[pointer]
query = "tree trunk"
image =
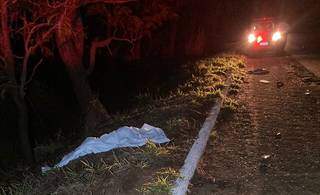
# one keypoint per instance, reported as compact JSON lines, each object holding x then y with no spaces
{"x":91,"y":107}
{"x":172,"y":39}
{"x":23,"y":124}
{"x":136,"y":52}
{"x":70,"y":41}
{"x":6,"y":49}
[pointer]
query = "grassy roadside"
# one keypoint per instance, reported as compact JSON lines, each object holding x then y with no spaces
{"x":153,"y":168}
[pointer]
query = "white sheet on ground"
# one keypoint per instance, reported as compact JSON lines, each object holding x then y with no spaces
{"x":121,"y":138}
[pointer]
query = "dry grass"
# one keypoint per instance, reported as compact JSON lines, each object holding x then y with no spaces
{"x":230,"y":105}
{"x":162,"y":182}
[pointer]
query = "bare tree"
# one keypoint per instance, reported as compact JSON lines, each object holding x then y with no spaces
{"x":35,"y":32}
{"x":124,"y":25}
{"x":39,"y":21}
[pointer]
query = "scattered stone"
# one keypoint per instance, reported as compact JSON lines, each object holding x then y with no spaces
{"x":278,"y":135}
{"x":280,"y":84}
{"x":307,"y":79}
{"x":263,"y":168}
{"x":266,"y":156}
{"x":264,"y":164}
{"x":264,"y":81}
{"x":313,"y":84}
{"x":308,"y":92}
{"x":259,"y":71}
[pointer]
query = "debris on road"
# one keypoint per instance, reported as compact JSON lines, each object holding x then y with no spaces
{"x":308,"y":92}
{"x":307,"y":79}
{"x":278,"y":135}
{"x":264,"y":164}
{"x":314,"y":84}
{"x":259,"y":71}
{"x":280,"y":84}
{"x":264,"y":81}
{"x":266,"y":156}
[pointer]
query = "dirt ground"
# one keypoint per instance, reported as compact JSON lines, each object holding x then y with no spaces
{"x":271,"y":145}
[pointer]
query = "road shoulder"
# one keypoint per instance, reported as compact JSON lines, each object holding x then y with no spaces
{"x":310,"y":62}
{"x":270,"y":145}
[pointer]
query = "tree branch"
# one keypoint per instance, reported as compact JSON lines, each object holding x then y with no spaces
{"x":34,"y":71}
{"x":29,"y":51}
{"x":6,"y":44}
{"x":24,"y":72}
{"x":3,"y":62}
{"x":55,"y":5}
{"x":100,"y":44}
{"x":30,"y":34}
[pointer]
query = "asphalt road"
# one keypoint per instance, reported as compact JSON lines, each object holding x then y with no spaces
{"x":310,"y":62}
{"x":271,"y":145}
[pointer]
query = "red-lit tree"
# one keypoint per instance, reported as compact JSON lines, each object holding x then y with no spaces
{"x":70,"y":43}
{"x":20,"y":21}
{"x":123,"y":25}
{"x":36,"y":22}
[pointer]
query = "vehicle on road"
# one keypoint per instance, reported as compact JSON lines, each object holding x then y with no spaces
{"x":266,"y":34}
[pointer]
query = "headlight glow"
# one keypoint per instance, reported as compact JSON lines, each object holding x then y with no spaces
{"x":276,"y":36}
{"x":251,"y":38}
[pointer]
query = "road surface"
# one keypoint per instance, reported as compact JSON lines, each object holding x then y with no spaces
{"x":310,"y":62}
{"x":271,"y":145}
